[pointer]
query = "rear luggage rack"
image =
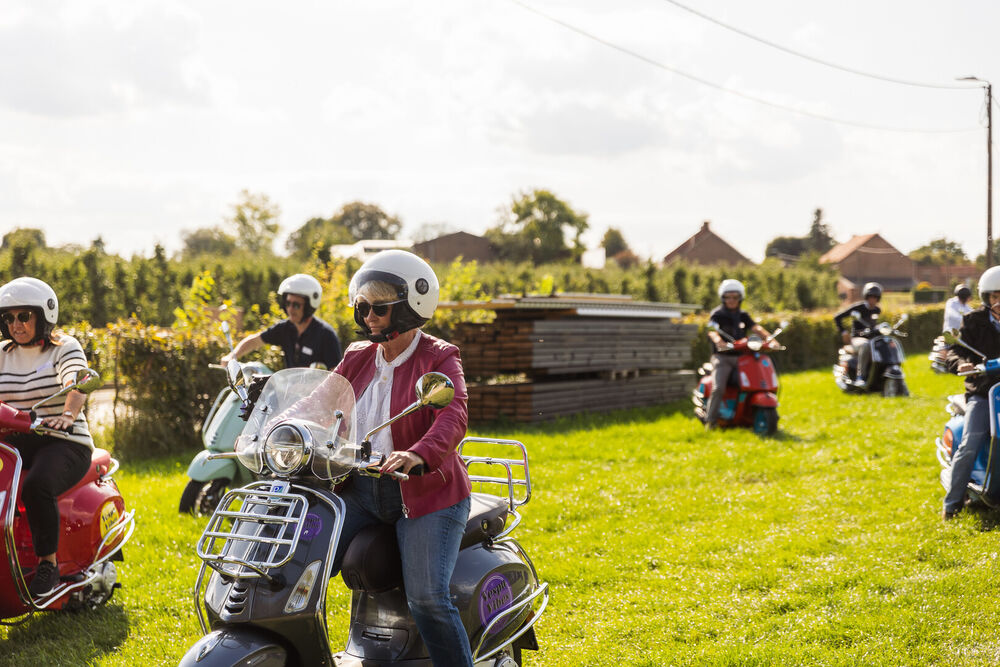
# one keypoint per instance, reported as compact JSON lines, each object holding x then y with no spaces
{"x":515,"y":489}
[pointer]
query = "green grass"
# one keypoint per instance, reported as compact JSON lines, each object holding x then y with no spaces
{"x":667,"y":545}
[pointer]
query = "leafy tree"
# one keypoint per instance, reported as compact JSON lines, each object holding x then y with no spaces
{"x":431,"y":230}
{"x":939,"y":252}
{"x":534,"y":226}
{"x":255,"y":222}
{"x":613,"y":242}
{"x":317,"y":234}
{"x":366,"y":221}
{"x":819,"y":239}
{"x":24,"y":236}
{"x":785,"y":245}
{"x":208,"y":241}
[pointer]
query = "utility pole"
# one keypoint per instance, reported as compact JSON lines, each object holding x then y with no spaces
{"x":989,"y":166}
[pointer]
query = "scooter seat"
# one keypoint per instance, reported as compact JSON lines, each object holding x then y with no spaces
{"x":372,"y":564}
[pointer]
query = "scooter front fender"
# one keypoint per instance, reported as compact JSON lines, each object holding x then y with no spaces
{"x":764,"y":399}
{"x":203,"y":469}
{"x":236,"y":646}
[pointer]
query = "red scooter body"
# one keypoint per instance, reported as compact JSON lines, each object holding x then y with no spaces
{"x":93,"y":527}
{"x":750,"y":401}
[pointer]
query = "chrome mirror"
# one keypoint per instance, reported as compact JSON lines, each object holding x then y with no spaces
{"x":435,"y":390}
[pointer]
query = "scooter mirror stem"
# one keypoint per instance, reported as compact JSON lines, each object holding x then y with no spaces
{"x":714,"y":326}
{"x":410,"y":408}
{"x":952,"y":339}
{"x":225,"y":332}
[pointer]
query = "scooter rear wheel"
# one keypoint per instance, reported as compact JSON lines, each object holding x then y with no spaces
{"x":201,"y":498}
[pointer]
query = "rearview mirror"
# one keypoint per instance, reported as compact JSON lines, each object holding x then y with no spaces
{"x":855,"y":314}
{"x":950,"y":336}
{"x":435,"y":390}
{"x":87,"y":380}
{"x":904,"y":317}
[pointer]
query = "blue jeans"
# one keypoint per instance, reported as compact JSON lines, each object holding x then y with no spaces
{"x":975,"y":436}
{"x":428,"y":547}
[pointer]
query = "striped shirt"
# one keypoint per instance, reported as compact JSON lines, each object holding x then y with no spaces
{"x":29,"y":374}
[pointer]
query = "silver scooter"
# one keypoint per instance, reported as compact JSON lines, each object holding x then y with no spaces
{"x":267,"y":552}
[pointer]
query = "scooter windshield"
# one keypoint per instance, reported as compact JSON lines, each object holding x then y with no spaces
{"x":306,"y":400}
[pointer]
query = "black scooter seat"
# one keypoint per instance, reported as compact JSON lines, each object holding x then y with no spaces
{"x":372,"y":562}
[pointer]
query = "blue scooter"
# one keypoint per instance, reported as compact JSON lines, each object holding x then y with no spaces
{"x":210,"y":477}
{"x":981,"y":482}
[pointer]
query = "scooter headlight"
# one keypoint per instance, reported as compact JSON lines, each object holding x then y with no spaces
{"x":754,"y":343}
{"x":884,"y":328}
{"x":286,"y":448}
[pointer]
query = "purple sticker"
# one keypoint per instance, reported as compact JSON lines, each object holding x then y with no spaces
{"x":311,"y":527}
{"x":495,"y":596}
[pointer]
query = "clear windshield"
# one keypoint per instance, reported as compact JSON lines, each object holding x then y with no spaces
{"x":311,"y":398}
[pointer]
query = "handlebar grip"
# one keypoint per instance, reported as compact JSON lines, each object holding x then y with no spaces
{"x":401,"y":476}
{"x":417,"y":470}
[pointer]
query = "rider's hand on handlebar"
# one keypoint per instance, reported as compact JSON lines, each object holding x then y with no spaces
{"x":404,"y":461}
{"x":965,"y":367}
{"x":60,"y":423}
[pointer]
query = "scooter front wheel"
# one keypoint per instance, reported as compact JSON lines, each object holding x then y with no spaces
{"x":201,"y":498}
{"x":765,"y":421}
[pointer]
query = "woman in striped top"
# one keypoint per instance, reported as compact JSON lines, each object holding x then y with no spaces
{"x":35,"y":362}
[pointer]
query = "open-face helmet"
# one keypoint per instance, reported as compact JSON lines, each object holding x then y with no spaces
{"x":731,"y":285}
{"x":989,"y":282}
{"x":414,"y":283}
{"x":305,"y":286}
{"x":962,"y":291}
{"x":871,"y":289}
{"x":35,"y":295}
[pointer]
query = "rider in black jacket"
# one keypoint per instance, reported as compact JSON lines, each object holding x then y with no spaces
{"x":980,"y":330}
{"x":869,"y":311}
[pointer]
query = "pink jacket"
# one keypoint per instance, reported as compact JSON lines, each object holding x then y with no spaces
{"x":433,"y":434}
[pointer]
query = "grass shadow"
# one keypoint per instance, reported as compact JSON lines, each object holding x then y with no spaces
{"x":66,"y":637}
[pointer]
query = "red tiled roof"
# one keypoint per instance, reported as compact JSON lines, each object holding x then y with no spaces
{"x":842,"y":251}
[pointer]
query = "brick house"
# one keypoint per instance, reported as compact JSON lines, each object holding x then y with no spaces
{"x":706,"y":247}
{"x":869,"y":257}
{"x":459,"y":244}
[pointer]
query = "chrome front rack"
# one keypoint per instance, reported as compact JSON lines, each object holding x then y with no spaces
{"x":262,"y":534}
{"x":510,"y":482}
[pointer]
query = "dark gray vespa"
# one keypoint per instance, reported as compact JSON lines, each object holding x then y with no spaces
{"x":268,"y":548}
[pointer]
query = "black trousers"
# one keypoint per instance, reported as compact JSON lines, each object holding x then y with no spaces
{"x":54,"y":466}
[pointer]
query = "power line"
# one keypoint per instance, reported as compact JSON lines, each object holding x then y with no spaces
{"x":814,"y":59}
{"x":711,"y":84}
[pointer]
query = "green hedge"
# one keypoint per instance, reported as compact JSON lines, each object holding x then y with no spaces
{"x":812,"y":338}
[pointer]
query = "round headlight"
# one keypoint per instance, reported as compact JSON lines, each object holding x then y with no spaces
{"x":755,"y":343}
{"x":285,"y":448}
{"x":884,"y":328}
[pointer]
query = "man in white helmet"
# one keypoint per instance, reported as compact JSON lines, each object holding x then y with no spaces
{"x":736,"y":324}
{"x":304,"y":338}
{"x":851,"y":329}
{"x":981,"y":330}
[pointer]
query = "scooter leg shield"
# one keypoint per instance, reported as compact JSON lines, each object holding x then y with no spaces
{"x":236,"y":646}
{"x":203,"y":469}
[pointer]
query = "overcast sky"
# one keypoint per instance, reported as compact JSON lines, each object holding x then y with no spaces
{"x":137,"y":120}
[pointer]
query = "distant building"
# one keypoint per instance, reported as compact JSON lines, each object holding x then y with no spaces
{"x":866,"y":258}
{"x":706,"y":247}
{"x":449,"y":247}
{"x":363,"y":250}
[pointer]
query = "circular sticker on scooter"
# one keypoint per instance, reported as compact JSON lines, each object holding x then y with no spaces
{"x":495,"y":596}
{"x":109,"y":517}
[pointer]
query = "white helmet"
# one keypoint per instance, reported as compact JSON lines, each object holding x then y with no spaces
{"x":732,"y":285}
{"x":304,"y":285}
{"x":30,"y":293}
{"x":989,"y":282}
{"x":415,"y":283}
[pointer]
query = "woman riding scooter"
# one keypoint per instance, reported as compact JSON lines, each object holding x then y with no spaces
{"x":35,"y":359}
{"x":735,"y":323}
{"x":394,"y":294}
{"x":869,"y":311}
{"x":980,"y":331}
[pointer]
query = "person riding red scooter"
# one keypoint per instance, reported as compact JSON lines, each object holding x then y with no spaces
{"x":748,"y":376}
{"x":61,"y":515}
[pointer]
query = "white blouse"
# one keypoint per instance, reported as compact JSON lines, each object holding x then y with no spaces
{"x":374,"y":405}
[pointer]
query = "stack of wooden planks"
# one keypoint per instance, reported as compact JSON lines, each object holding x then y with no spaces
{"x":572,"y":363}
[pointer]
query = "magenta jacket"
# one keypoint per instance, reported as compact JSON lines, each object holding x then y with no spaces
{"x":433,"y":434}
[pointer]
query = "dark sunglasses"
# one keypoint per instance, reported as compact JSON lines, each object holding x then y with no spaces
{"x":380,"y":309}
{"x":24,"y":316}
{"x":289,"y":305}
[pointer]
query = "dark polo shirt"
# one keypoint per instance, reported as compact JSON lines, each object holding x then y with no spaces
{"x":318,"y":343}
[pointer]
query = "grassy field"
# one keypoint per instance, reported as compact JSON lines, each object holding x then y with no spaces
{"x":667,"y":545}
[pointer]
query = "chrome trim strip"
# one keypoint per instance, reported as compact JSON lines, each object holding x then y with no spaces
{"x":8,"y":523}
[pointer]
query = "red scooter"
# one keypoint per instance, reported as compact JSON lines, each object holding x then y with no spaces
{"x":750,"y":397}
{"x":93,"y":524}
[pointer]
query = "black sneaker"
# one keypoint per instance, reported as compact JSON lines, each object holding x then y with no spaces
{"x":46,"y":578}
